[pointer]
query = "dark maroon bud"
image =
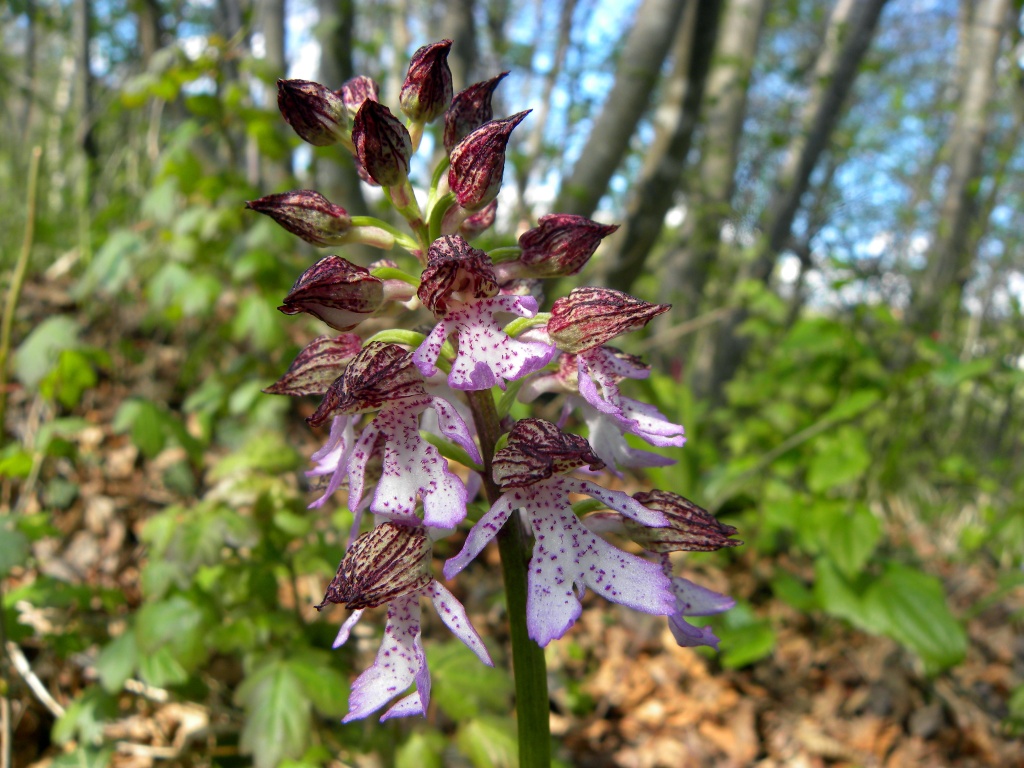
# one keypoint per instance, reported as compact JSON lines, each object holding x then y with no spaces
{"x":479,"y":222}
{"x":691,"y":528}
{"x":456,"y":271}
{"x":336,"y":291}
{"x":589,"y":317}
{"x":382,"y":144}
{"x":470,"y":109}
{"x":390,"y":561}
{"x":379,"y":373}
{"x":427,"y":90}
{"x":357,"y":90}
{"x":561,"y":244}
{"x":308,"y":214}
{"x":536,"y":450}
{"x":317,"y":366}
{"x":478,"y":162}
{"x":316,"y":113}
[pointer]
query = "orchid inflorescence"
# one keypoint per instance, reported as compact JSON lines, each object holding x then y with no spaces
{"x":402,"y":404}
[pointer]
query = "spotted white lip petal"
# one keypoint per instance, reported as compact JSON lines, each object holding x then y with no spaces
{"x":567,"y":558}
{"x":453,"y":614}
{"x":453,"y":427}
{"x":412,"y":467}
{"x":400,"y":660}
{"x":487,"y":355}
{"x":485,"y":529}
{"x":590,"y":370}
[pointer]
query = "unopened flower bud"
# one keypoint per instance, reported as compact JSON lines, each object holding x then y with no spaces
{"x":336,"y":291}
{"x":561,"y":244}
{"x":427,"y":90}
{"x":382,"y":144}
{"x":536,"y":450}
{"x":317,"y":366}
{"x":316,"y":113}
{"x":478,"y":162}
{"x":308,"y":214}
{"x":390,"y":561}
{"x":589,"y":317}
{"x":470,"y":109}
{"x":479,"y":222}
{"x":456,"y":271}
{"x":691,"y":528}
{"x":379,"y":373}
{"x":357,"y":90}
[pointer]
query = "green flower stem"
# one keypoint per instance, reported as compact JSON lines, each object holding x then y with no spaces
{"x":506,"y":253}
{"x":402,"y":239}
{"x":528,"y":666}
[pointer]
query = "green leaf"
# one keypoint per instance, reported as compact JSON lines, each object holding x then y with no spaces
{"x":84,"y":718}
{"x":277,"y":709}
{"x":160,"y":668}
{"x":324,"y":686}
{"x":745,"y":637}
{"x":918,"y":616}
{"x":111,"y":267}
{"x":14,"y":546}
{"x":845,"y":598}
{"x":853,"y":405}
{"x":85,"y":757}
{"x":851,"y":538}
{"x":15,"y":462}
{"x":462,"y":686}
{"x":117,"y":661}
{"x":489,"y":742}
{"x":840,"y":458}
{"x":39,"y":352}
{"x":422,"y":750}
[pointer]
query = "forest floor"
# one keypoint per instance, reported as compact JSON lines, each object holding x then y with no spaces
{"x":828,"y":695}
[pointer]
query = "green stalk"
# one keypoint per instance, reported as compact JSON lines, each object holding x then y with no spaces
{"x":528,"y":666}
{"x":17,"y":281}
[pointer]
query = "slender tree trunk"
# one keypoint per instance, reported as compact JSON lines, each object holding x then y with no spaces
{"x":275,"y":173}
{"x":458,"y":26}
{"x":850,"y":31}
{"x":662,"y":175}
{"x":725,"y":110}
{"x":643,"y":55}
{"x":950,"y":261}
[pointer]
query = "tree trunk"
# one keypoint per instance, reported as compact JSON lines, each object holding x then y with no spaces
{"x":457,"y":25}
{"x":646,"y":47}
{"x":950,"y":261}
{"x":275,"y":173}
{"x":662,"y":174}
{"x":848,"y":37}
{"x":726,"y":106}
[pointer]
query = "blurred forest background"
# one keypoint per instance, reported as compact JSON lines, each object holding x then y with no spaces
{"x":830,"y":195}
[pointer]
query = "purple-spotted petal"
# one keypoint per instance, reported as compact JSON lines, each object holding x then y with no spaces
{"x":399,"y":662}
{"x":453,"y":614}
{"x":426,"y":354}
{"x":605,"y":436}
{"x":487,"y":355}
{"x":616,"y":500}
{"x":453,"y":427}
{"x":485,"y":529}
{"x":332,"y":458}
{"x":695,"y":600}
{"x":567,"y":558}
{"x":347,"y":627}
{"x":412,"y":467}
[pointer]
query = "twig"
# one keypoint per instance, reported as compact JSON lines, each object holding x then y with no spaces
{"x":17,"y":281}
{"x":5,"y":732}
{"x":24,"y":669}
{"x":678,"y":331}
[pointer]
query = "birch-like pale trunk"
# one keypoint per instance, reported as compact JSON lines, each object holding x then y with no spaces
{"x":646,"y":47}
